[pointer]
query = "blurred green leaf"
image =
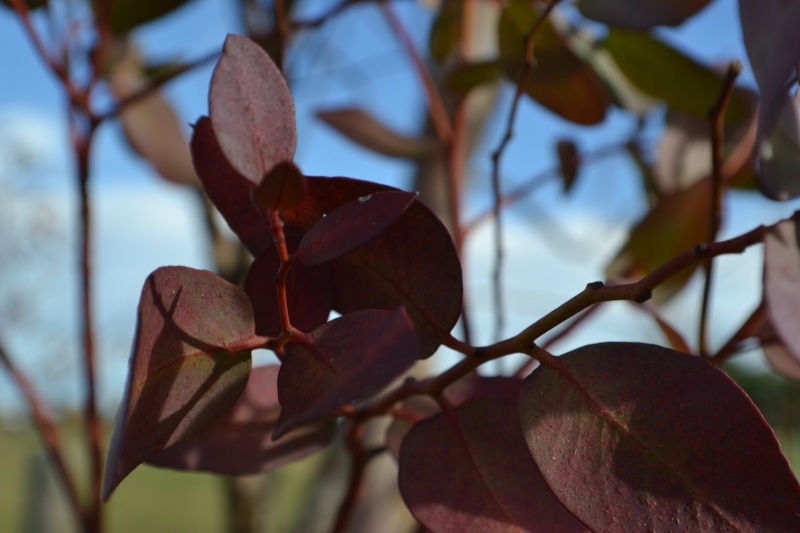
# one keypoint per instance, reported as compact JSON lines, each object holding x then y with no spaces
{"x":560,"y":81}
{"x":638,"y":15}
{"x":128,"y":14}
{"x":445,"y":30}
{"x":467,"y":77}
{"x":662,"y":71}
{"x":780,"y":155}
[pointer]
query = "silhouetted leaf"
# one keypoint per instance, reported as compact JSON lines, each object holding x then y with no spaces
{"x":240,"y":442}
{"x":230,"y":192}
{"x":308,"y":291}
{"x":675,"y":225}
{"x":471,"y":472}
{"x":32,"y":4}
{"x":398,"y":267}
{"x":561,"y":81}
{"x":347,"y":227}
{"x":251,"y":108}
{"x":661,"y":71}
{"x":347,"y":359}
{"x":282,"y":188}
{"x":128,"y":14}
{"x":769,"y":29}
{"x":635,"y":437}
{"x":466,"y":77}
{"x":779,"y":176}
{"x":569,"y":162}
{"x":637,"y":15}
{"x":445,"y":30}
{"x":364,"y":129}
{"x":782,"y":285}
{"x":190,"y":362}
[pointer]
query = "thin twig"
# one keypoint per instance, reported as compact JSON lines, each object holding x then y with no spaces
{"x":717,"y":120}
{"x":282,"y":28}
{"x":48,"y":432}
{"x":359,"y":458}
{"x":522,"y":84}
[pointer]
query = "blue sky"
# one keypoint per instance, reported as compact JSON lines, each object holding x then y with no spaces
{"x":142,"y":223}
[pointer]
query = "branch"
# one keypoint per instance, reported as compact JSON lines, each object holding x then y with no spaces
{"x":359,"y":457}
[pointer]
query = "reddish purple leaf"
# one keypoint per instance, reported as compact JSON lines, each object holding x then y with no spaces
{"x":780,"y":164}
{"x":282,"y":188}
{"x":638,"y":15}
{"x":636,"y":437}
{"x":230,"y":192}
{"x":398,"y":267}
{"x":348,"y":227}
{"x":190,"y":363}
{"x":782,"y":284}
{"x":364,"y":129}
{"x":251,"y":108}
{"x":349,"y":358}
{"x":240,"y":442}
{"x":769,"y":28}
{"x":308,"y":292}
{"x":473,"y":473}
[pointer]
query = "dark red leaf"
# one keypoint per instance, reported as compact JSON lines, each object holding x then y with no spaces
{"x":349,"y":358}
{"x":769,"y":29}
{"x":230,"y":192}
{"x":398,"y":267}
{"x":635,"y":437}
{"x":364,"y":129}
{"x":637,"y":15}
{"x":190,"y":363}
{"x":308,"y":291}
{"x":240,"y":442}
{"x":782,"y":284}
{"x":282,"y":188}
{"x":780,"y":158}
{"x":251,"y":108}
{"x":346,"y":228}
{"x":472,"y":473}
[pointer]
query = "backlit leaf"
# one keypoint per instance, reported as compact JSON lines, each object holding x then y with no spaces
{"x":282,"y":188}
{"x":347,"y":359}
{"x":635,"y":437}
{"x":190,"y":362}
{"x":782,"y":284}
{"x":251,"y":108}
{"x":240,"y":442}
{"x":769,"y":29}
{"x":779,"y":176}
{"x":637,"y":15}
{"x":364,"y":129}
{"x":347,"y":227}
{"x":561,"y":81}
{"x":662,"y":71}
{"x":675,"y":225}
{"x":472,"y":473}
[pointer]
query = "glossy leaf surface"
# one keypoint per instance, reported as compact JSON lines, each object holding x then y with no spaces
{"x":662,"y":71}
{"x":637,"y":15}
{"x":347,"y":227}
{"x":769,"y":29}
{"x":349,"y":358}
{"x":364,"y":129}
{"x":782,"y":284}
{"x":472,"y":473}
{"x":675,"y":225}
{"x":635,"y":437}
{"x":240,"y":442}
{"x":190,"y":363}
{"x":251,"y":109}
{"x":309,"y":292}
{"x":561,"y":81}
{"x":282,"y":188}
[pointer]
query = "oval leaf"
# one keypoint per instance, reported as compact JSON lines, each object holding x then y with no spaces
{"x":637,"y":15}
{"x":662,"y":71}
{"x":190,"y":362}
{"x":349,"y":358}
{"x":251,"y":108}
{"x":473,"y":473}
{"x":635,"y":437}
{"x":348,"y":227}
{"x":782,"y":284}
{"x":364,"y":129}
{"x":240,"y":442}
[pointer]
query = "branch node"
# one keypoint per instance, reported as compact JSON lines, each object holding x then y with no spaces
{"x":701,"y":248}
{"x":595,"y":285}
{"x":643,"y":297}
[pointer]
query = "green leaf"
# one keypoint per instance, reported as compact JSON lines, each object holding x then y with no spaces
{"x":638,"y":15}
{"x":128,"y":14}
{"x":471,"y":75}
{"x":662,"y":71}
{"x":445,"y":30}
